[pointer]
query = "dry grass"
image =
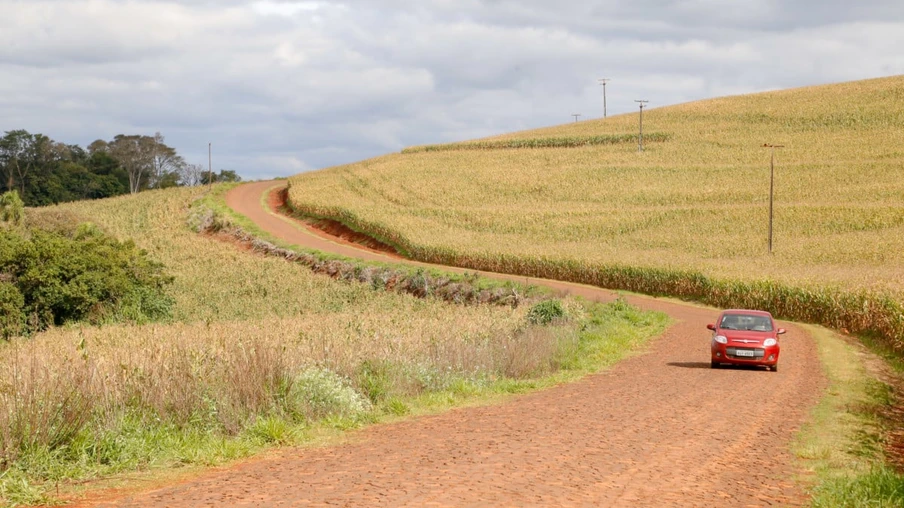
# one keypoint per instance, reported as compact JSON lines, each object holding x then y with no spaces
{"x":696,"y":203}
{"x":225,"y":374}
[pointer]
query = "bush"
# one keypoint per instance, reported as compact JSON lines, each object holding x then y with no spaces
{"x":318,"y":392}
{"x":546,"y":312}
{"x":82,"y":275}
{"x":11,"y":208}
{"x":12,"y":318}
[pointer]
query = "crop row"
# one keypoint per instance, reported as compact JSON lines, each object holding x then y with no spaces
{"x":553,"y":142}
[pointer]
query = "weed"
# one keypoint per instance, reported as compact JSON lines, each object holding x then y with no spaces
{"x":546,"y":312}
{"x":317,"y":393}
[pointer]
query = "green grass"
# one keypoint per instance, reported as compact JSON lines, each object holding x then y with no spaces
{"x":842,"y":443}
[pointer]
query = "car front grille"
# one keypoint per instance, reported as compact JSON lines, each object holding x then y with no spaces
{"x":732,"y":352}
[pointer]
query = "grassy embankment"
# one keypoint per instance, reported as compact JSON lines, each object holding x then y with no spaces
{"x":843,"y":445}
{"x":687,"y":217}
{"x":262,"y":352}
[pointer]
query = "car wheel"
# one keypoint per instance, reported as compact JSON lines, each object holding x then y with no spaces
{"x":774,"y":368}
{"x":714,"y":364}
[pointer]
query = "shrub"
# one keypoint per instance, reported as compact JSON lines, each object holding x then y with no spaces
{"x":546,"y":312}
{"x":318,"y":392}
{"x":81,"y":275}
{"x":11,"y":207}
{"x":12,"y":318}
{"x":374,"y":378}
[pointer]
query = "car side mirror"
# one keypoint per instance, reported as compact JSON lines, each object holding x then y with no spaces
{"x":711,"y":327}
{"x":781,"y":331}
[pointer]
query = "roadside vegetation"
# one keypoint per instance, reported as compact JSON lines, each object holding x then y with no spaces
{"x":55,"y":271}
{"x":261,"y":352}
{"x":687,"y":217}
{"x":853,"y":438}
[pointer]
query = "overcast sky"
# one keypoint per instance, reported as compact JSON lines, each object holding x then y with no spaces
{"x":281,"y":87}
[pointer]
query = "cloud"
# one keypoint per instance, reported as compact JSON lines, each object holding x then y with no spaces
{"x":285,"y":86}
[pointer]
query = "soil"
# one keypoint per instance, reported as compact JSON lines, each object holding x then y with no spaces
{"x":277,"y":200}
{"x":658,"y":429}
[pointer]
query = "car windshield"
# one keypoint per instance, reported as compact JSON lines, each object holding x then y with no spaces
{"x":746,"y":322}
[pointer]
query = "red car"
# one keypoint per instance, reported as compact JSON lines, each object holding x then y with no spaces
{"x":745,"y":337}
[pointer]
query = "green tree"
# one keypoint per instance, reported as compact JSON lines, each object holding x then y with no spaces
{"x":20,"y":152}
{"x":225,"y":175}
{"x":147,"y":160}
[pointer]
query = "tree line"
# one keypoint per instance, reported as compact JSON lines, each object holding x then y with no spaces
{"x":43,"y":171}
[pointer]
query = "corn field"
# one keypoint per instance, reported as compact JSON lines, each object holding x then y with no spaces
{"x":552,"y":142}
{"x":688,"y":216}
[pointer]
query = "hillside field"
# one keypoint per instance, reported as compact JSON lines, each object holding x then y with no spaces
{"x":695,"y":201}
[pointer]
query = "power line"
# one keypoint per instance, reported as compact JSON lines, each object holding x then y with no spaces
{"x":575,"y":115}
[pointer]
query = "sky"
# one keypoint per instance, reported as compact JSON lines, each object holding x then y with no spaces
{"x":280,"y":87}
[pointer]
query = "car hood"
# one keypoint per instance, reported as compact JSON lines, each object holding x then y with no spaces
{"x":746,"y":338}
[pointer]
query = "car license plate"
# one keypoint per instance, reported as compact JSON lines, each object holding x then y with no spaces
{"x":743,"y":352}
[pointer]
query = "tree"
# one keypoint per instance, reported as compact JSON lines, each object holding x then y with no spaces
{"x":44,"y":171}
{"x":103,"y":164}
{"x":98,"y":146}
{"x":225,"y":175}
{"x":135,"y":154}
{"x":20,"y":151}
{"x":167,"y":165}
{"x":148,"y":161}
{"x":228,"y":175}
{"x":192,"y":174}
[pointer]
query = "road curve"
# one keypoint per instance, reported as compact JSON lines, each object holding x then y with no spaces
{"x":659,"y":429}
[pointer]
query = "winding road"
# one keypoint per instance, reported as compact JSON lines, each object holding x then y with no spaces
{"x":658,"y":429}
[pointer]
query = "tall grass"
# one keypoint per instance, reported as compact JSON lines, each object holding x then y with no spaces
{"x":261,"y":381}
{"x":687,"y":218}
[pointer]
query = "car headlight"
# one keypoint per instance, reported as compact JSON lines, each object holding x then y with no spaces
{"x":721,"y":339}
{"x":769,"y":342}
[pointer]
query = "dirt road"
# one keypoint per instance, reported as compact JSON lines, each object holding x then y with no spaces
{"x":660,"y":429}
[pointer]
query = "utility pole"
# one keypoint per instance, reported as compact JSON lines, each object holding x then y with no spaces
{"x":156,"y":170}
{"x":209,"y":166}
{"x":603,"y":82}
{"x":771,"y":187}
{"x":575,"y":115}
{"x":640,"y":142}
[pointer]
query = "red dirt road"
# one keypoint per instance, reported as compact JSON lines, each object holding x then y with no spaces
{"x":659,"y":429}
